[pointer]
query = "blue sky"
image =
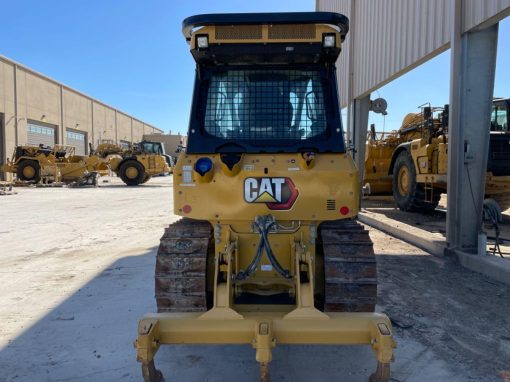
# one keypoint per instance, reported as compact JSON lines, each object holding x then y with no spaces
{"x":131,"y":54}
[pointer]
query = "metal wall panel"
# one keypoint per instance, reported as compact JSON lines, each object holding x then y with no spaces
{"x":480,"y":12}
{"x":392,"y":37}
{"x":343,"y":7}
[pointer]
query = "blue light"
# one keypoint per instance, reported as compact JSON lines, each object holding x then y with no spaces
{"x":203,"y":165}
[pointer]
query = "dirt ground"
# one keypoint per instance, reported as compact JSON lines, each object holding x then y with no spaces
{"x":76,"y":268}
{"x":435,"y":222}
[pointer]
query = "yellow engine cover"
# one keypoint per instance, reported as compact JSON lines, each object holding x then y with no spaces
{"x":283,"y":185}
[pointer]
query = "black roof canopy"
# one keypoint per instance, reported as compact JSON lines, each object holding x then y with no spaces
{"x":329,"y":18}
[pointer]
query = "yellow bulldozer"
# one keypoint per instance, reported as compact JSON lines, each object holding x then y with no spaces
{"x":268,"y":250}
{"x":54,"y":164}
{"x":411,"y":163}
{"x":138,"y":163}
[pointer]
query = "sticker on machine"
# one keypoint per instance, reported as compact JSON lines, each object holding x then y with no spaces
{"x":187,"y":175}
{"x":275,"y":193}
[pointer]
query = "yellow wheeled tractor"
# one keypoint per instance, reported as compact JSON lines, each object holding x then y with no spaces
{"x":137,"y":164}
{"x":412,"y":163}
{"x":54,"y":164}
{"x":268,"y":250}
{"x":378,"y":152}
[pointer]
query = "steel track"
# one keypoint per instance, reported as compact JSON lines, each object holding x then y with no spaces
{"x":350,"y":271}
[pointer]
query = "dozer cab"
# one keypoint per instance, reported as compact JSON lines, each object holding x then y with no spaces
{"x":268,"y":250}
{"x":497,"y":181}
{"x":54,"y":164}
{"x":138,"y":163}
{"x":412,"y":163}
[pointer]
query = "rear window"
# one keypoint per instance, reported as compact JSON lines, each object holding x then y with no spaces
{"x":265,"y":105}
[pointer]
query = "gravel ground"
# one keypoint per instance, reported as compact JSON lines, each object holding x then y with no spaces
{"x":435,"y":222}
{"x":76,"y":274}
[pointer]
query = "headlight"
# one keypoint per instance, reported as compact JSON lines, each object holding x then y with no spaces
{"x":329,"y":40}
{"x":203,"y":165}
{"x":202,"y":41}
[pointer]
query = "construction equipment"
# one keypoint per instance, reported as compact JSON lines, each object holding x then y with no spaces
{"x":269,"y":250}
{"x":54,"y":164}
{"x":378,"y":153}
{"x":159,"y":149}
{"x":497,"y":180}
{"x":411,"y":163}
{"x":138,"y":163}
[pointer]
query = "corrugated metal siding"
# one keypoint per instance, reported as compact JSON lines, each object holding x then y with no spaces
{"x":394,"y":36}
{"x":343,"y":7}
{"x":477,"y":12}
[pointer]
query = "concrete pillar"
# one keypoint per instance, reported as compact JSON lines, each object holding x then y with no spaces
{"x":359,"y":122}
{"x":473,"y":63}
{"x":16,"y":117}
{"x":116,"y":128}
{"x":91,"y":137}
{"x":61,"y":135}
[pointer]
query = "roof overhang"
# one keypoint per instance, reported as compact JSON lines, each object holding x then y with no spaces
{"x":329,"y":18}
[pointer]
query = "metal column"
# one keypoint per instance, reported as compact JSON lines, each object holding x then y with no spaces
{"x":350,"y":82}
{"x":473,"y":63}
{"x":359,"y":121}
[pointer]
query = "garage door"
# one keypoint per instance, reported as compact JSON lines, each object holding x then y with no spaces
{"x":77,"y":139}
{"x":40,"y":134}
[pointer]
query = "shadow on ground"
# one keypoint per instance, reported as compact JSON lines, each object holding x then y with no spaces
{"x":145,"y":185}
{"x":453,"y":325}
{"x":89,"y":336}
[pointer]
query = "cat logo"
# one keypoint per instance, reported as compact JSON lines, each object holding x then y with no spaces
{"x":276,"y":193}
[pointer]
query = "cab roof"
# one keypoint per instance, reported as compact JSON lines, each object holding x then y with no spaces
{"x":328,"y":18}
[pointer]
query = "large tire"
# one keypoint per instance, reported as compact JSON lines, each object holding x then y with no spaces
{"x":408,"y":194}
{"x":29,"y":170}
{"x":503,"y":200}
{"x":132,"y":172}
{"x":146,"y":178}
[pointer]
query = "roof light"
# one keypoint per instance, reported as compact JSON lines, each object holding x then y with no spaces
{"x":329,"y":40}
{"x":202,"y":41}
